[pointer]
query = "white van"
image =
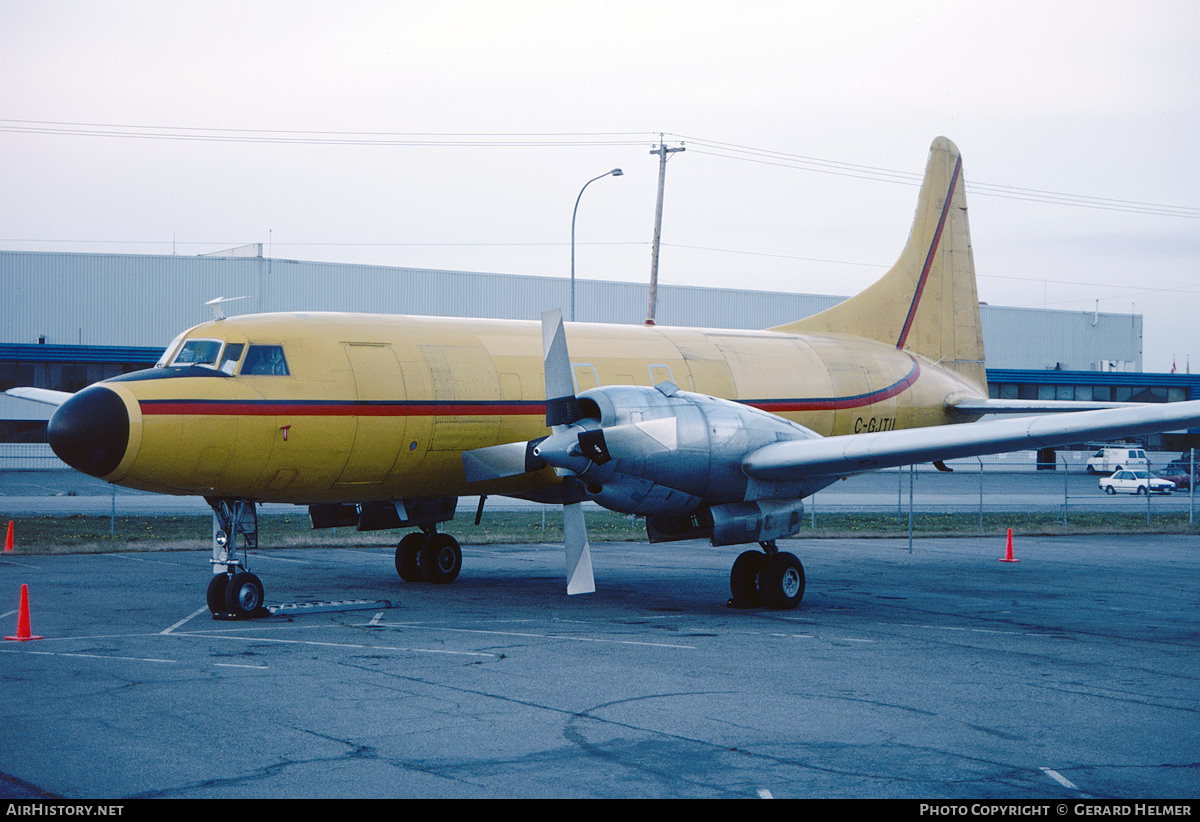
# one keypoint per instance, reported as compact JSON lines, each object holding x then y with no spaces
{"x":1113,"y":458}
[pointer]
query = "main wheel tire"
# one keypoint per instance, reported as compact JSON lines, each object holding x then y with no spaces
{"x":216,"y":592}
{"x":1108,"y":489}
{"x":243,"y":595}
{"x":440,"y":559}
{"x":408,"y":562}
{"x":782,"y":582}
{"x":1141,"y":491}
{"x":743,"y":580}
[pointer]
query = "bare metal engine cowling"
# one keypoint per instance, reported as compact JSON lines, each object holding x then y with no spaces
{"x":667,"y":454}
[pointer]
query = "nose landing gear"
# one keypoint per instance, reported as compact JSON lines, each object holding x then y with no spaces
{"x":234,"y":592}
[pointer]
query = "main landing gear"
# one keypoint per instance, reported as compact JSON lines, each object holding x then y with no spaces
{"x":428,"y":557}
{"x":234,"y":592}
{"x":769,"y":578}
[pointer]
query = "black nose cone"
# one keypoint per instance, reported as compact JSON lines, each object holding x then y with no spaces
{"x":90,"y":431}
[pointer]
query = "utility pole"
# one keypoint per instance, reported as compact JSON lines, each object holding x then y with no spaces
{"x":663,"y":153}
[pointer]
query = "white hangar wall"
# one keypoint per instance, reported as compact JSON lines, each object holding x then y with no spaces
{"x":146,"y":300}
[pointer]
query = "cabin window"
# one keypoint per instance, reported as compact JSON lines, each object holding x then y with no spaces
{"x":265,"y":360}
{"x":198,"y":352}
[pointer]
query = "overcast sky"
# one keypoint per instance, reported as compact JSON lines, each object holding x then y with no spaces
{"x":458,"y":135}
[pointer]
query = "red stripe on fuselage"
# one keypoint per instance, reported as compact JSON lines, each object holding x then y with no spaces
{"x":334,"y":409}
{"x":835,"y":403}
{"x":303,"y":408}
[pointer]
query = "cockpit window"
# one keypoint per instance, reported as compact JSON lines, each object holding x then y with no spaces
{"x":164,"y":359}
{"x":230,"y":357}
{"x":198,"y":352}
{"x":266,"y":360}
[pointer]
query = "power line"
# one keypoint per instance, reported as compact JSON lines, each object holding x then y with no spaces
{"x":713,"y":148}
{"x":356,"y":138}
{"x":821,"y":166}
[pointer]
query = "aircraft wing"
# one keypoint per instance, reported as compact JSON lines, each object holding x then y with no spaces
{"x":975,"y":405}
{"x":796,"y":459}
{"x":42,"y":395}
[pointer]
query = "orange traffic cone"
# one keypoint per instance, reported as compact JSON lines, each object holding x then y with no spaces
{"x":1008,"y":557}
{"x":8,"y":539}
{"x":23,"y":619}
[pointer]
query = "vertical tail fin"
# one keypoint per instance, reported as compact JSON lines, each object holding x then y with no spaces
{"x":927,"y":302}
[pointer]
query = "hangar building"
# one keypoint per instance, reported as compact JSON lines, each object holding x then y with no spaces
{"x":81,"y":317}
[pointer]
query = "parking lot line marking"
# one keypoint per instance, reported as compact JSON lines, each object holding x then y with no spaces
{"x":350,"y":645}
{"x":261,"y":555}
{"x":1059,"y":778}
{"x":186,"y":619}
{"x":538,"y":636}
{"x":96,"y":656}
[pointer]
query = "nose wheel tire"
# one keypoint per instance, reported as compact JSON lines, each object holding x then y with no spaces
{"x":243,"y":595}
{"x":216,"y":592}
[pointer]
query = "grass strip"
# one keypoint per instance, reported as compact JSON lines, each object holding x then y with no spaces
{"x":87,"y":533}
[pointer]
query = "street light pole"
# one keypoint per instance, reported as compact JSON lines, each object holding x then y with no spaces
{"x":616,"y":172}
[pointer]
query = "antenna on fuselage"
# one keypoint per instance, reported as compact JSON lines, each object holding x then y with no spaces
{"x":217,"y":305}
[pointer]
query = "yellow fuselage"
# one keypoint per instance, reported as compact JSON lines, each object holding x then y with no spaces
{"x":379,"y":407}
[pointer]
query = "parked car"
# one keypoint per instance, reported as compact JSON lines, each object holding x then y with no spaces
{"x":1135,"y":482}
{"x":1178,"y":471}
{"x":1116,"y":458}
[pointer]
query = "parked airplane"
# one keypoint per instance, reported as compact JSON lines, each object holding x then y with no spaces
{"x":384,"y":421}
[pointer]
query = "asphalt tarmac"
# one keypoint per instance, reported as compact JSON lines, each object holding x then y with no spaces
{"x":940,"y":673}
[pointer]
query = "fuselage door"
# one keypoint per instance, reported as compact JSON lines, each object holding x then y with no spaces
{"x":380,"y":396}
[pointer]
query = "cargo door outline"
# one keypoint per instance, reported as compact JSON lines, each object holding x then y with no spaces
{"x":379,"y":391}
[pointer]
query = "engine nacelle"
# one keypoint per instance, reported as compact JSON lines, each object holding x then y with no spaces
{"x":733,"y":523}
{"x":661,"y":450}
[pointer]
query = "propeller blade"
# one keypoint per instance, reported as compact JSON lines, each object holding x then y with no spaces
{"x":579,"y":553}
{"x":562,"y":409}
{"x":561,"y":406}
